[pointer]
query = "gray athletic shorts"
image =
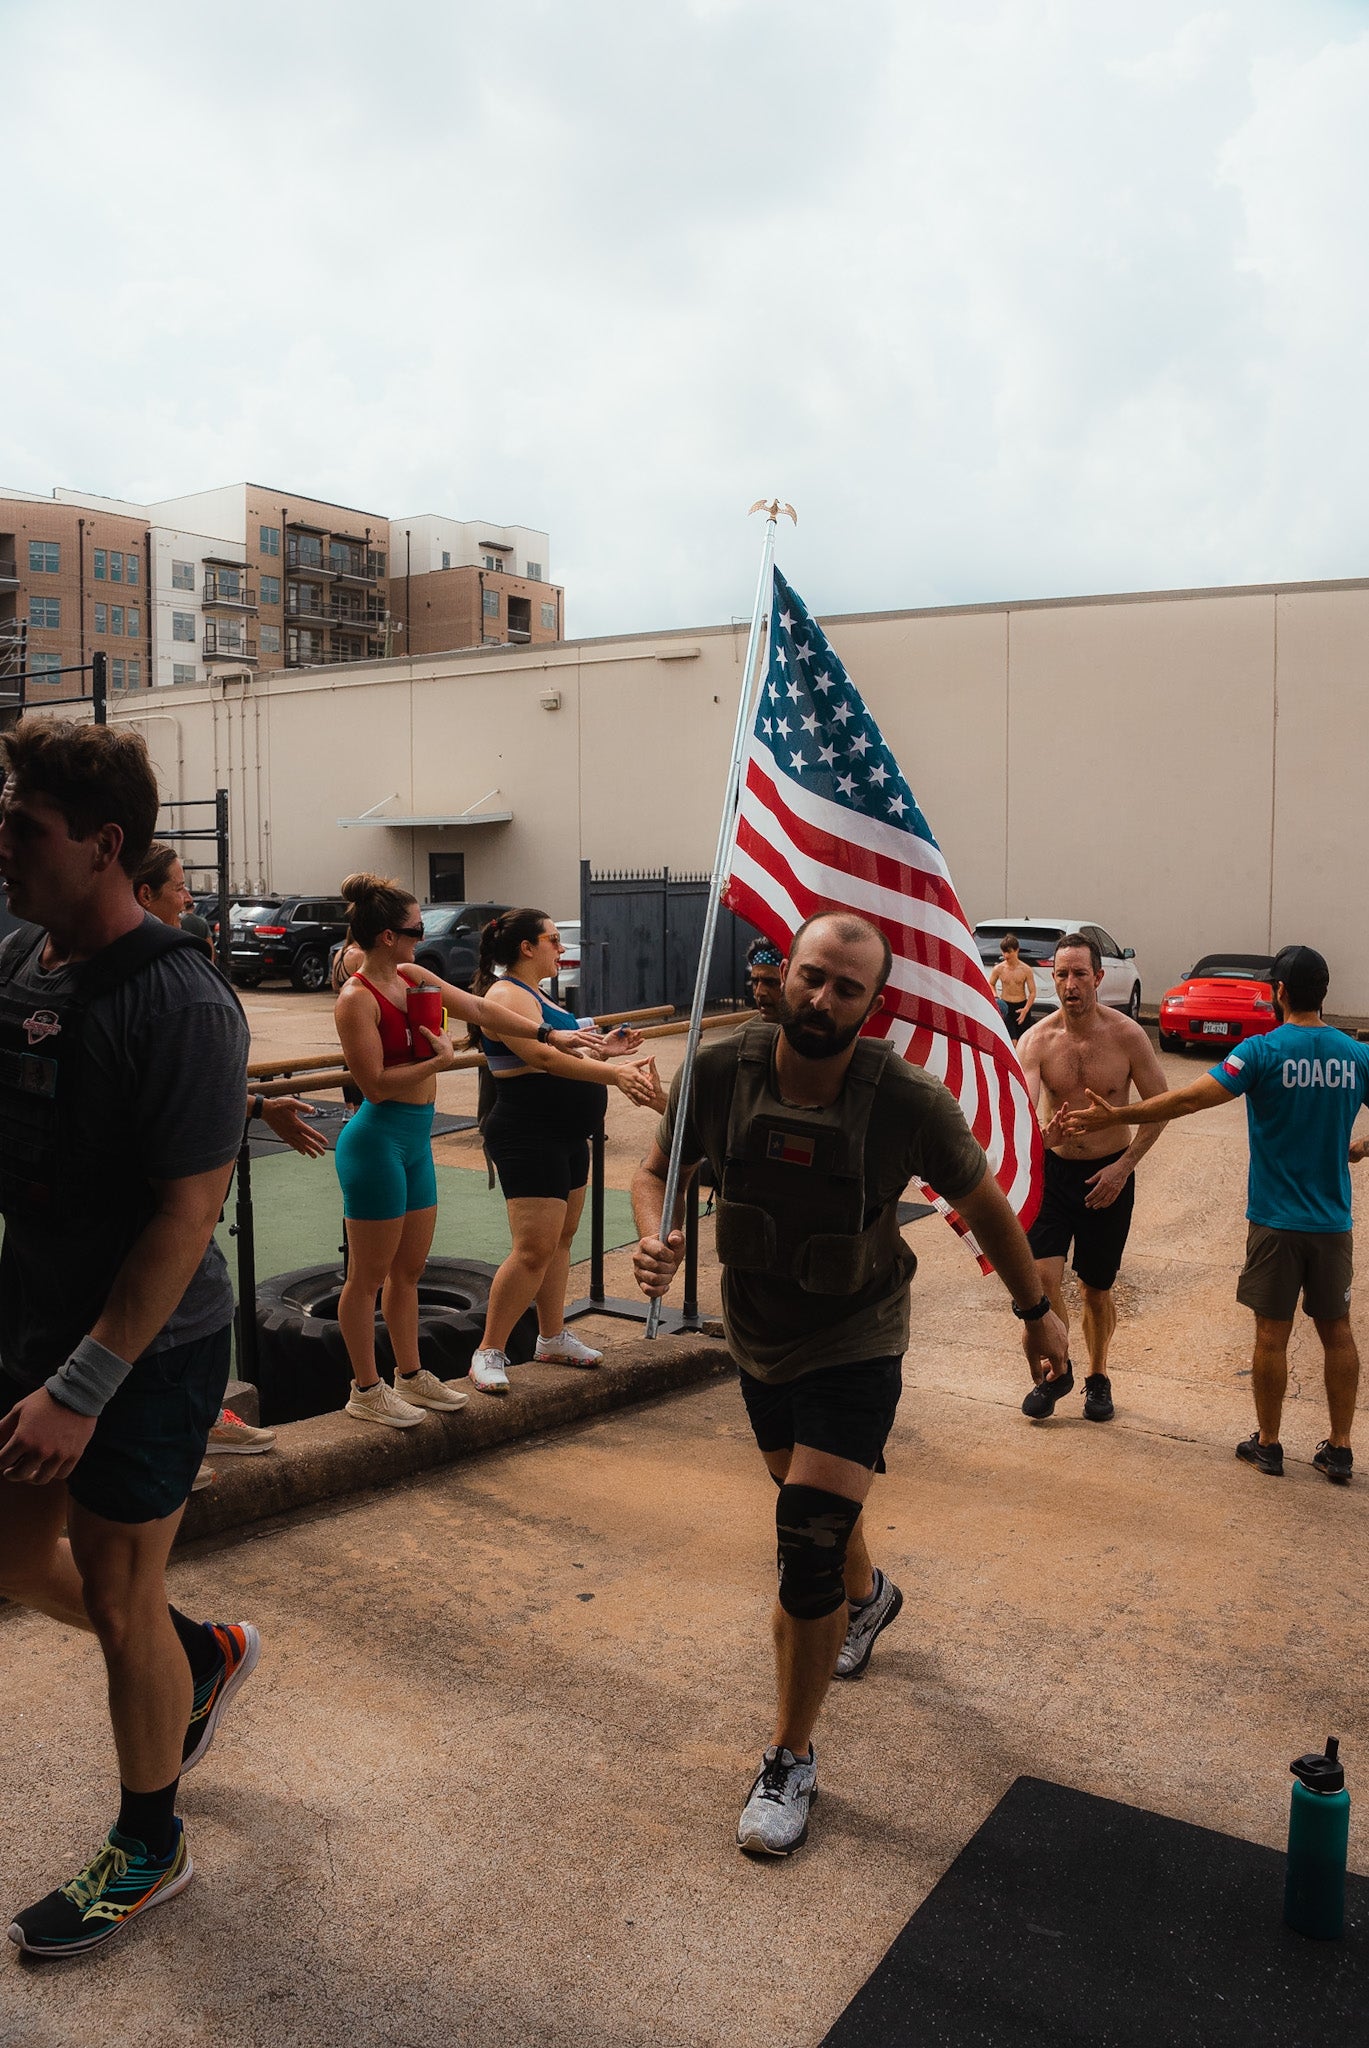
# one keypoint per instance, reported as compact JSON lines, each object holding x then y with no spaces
{"x":1280,"y":1265}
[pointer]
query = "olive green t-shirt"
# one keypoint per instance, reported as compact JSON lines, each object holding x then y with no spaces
{"x":777,"y":1330}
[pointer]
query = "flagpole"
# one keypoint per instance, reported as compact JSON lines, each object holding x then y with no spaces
{"x":760,"y":614}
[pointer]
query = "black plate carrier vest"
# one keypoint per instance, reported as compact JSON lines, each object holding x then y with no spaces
{"x":792,"y":1201}
{"x":52,"y":1171}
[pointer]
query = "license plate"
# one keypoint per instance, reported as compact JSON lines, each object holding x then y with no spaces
{"x":1217,"y":1030}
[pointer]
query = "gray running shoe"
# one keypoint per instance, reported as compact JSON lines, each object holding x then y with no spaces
{"x":865,"y":1624}
{"x":775,"y":1817}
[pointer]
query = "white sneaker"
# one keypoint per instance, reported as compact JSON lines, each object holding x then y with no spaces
{"x":489,"y":1371}
{"x":425,"y":1390}
{"x":775,"y":1817}
{"x":381,"y":1403}
{"x":865,"y":1623}
{"x":230,"y":1433}
{"x":566,"y":1350}
{"x":204,"y":1477}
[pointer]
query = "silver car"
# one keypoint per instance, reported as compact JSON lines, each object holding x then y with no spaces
{"x":1038,"y":938}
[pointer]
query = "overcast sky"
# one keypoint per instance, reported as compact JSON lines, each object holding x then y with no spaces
{"x":1010,"y":300}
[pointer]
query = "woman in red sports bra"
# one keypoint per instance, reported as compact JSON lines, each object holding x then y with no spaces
{"x":384,"y":1154}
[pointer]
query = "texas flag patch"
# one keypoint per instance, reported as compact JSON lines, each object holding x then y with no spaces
{"x":790,"y":1148}
{"x":1233,"y":1064}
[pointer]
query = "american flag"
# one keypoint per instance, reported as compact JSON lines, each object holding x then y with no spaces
{"x":827,"y":822}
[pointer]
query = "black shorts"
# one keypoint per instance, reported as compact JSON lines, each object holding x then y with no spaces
{"x":537,"y":1135}
{"x":1099,"y":1236}
{"x":846,"y":1410}
{"x":150,"y":1437}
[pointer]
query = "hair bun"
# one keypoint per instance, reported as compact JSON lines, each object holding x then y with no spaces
{"x":356,"y":888}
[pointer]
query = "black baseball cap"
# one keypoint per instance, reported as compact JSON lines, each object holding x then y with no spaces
{"x":1303,"y":972}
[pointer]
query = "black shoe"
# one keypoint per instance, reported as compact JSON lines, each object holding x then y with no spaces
{"x":121,"y":1881}
{"x":1337,"y":1461}
{"x":1041,"y":1401}
{"x":1098,"y":1398}
{"x":1268,"y":1457}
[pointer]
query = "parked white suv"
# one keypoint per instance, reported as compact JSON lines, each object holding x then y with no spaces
{"x":1038,"y":938}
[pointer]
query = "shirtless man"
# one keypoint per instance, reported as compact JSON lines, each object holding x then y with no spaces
{"x":1084,"y":1050}
{"x":1015,"y":986}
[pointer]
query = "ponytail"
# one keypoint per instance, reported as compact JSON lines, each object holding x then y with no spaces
{"x":375,"y":904}
{"x":501,"y":941}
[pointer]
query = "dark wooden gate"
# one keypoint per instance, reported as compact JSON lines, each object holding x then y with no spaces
{"x":640,"y":936}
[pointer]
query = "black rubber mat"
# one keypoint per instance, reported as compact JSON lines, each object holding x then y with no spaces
{"x":913,"y":1212}
{"x":1074,"y":1922}
{"x":330,"y":1119}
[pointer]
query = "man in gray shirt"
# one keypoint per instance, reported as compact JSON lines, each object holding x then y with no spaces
{"x":122,"y":1087}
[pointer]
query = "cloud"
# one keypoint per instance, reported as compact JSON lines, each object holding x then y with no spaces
{"x":1012,"y":299}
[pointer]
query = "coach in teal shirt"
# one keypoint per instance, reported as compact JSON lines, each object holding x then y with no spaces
{"x":1303,"y":1085}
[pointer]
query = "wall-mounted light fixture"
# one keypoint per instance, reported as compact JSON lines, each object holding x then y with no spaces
{"x":550,"y":700}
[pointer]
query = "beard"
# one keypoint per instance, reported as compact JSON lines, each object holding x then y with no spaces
{"x":1278,"y":1009}
{"x":811,"y":1035}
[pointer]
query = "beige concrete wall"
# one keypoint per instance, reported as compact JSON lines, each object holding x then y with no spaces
{"x":1184,"y":767}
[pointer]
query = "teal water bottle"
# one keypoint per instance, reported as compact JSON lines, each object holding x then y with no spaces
{"x":1318,"y":1843}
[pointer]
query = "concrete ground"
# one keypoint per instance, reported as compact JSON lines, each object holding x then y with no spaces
{"x":483,"y":1787}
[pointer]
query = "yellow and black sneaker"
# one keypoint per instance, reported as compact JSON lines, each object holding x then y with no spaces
{"x":122,"y":1881}
{"x":239,"y":1646}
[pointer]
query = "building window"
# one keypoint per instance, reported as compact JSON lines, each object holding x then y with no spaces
{"x":375,"y":562}
{"x":270,"y":639}
{"x":534,"y":572}
{"x":116,"y":566}
{"x":489,"y":603}
{"x":135,"y":675}
{"x":132,"y":569}
{"x":45,"y":611}
{"x":45,"y":557}
{"x":268,"y":540}
{"x":101,"y":619}
{"x":116,"y":618}
{"x":183,"y":671}
{"x":182,"y":575}
{"x":306,"y":551}
{"x":446,"y":558}
{"x":116,"y":679}
{"x":270,"y":590}
{"x":492,"y":562}
{"x":99,"y":565}
{"x":135,"y":622}
{"x":222,"y":586}
{"x":549,"y":618}
{"x":44,"y":667}
{"x":182,"y":625}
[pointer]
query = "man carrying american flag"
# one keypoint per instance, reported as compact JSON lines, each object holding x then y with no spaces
{"x":812,"y":1131}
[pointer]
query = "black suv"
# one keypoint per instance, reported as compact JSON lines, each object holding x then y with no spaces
{"x":450,"y":945}
{"x":286,"y":935}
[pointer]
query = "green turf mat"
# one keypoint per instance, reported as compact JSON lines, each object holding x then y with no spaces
{"x":297,"y":1208}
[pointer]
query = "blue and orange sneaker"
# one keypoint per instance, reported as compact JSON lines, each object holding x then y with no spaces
{"x":121,"y":1882}
{"x":240,"y":1646}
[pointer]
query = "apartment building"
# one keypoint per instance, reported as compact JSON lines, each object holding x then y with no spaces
{"x":72,"y":580}
{"x":469,"y":583}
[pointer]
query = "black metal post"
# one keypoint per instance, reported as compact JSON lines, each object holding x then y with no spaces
{"x":596,"y":1217}
{"x":635,"y":1308}
{"x":224,"y":942}
{"x":99,"y":670}
{"x":689,"y":1314}
{"x":244,"y":1229}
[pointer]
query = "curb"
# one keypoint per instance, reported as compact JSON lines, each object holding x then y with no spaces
{"x":332,"y":1455}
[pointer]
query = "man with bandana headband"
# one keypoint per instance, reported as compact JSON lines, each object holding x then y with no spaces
{"x":813,"y":1133}
{"x":764,"y":961}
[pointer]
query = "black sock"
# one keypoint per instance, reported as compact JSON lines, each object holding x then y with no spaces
{"x":149,"y":1817}
{"x":200,"y":1644}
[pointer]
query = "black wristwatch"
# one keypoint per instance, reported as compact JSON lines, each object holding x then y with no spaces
{"x":258,"y":1105}
{"x":1033,"y":1315}
{"x":543,"y":1033}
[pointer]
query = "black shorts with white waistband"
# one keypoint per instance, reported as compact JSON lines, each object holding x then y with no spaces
{"x":1099,"y":1236}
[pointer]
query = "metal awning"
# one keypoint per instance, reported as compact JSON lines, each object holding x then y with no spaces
{"x":414,"y":824}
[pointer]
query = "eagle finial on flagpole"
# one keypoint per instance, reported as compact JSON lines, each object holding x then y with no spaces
{"x":773,"y":508}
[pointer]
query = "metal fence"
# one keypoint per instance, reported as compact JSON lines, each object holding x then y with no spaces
{"x":640,"y":936}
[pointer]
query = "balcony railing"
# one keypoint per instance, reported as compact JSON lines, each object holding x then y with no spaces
{"x":301,"y":604}
{"x":371,"y":619}
{"x":223,"y":647}
{"x":9,"y":571}
{"x":242,"y":596}
{"x":303,"y":562}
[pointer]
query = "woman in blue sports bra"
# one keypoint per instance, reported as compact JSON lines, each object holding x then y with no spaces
{"x":384,"y":1154}
{"x":548,"y":1106}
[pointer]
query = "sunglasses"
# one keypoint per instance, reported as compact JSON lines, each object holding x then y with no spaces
{"x":408,"y":931}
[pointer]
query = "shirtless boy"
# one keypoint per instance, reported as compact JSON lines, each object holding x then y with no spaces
{"x":1015,"y":986}
{"x":1085,"y":1049}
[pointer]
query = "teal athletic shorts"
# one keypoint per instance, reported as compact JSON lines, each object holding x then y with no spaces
{"x":385,"y":1161}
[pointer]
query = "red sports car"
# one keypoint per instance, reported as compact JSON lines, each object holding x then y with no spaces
{"x":1226,"y":997}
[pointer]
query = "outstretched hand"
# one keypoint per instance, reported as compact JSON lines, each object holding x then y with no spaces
{"x":1104,"y":1116}
{"x":286,"y":1115}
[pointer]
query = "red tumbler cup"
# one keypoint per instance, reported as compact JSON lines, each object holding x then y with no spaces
{"x":425,"y":1011}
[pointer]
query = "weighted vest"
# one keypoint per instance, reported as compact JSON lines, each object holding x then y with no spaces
{"x":48,"y":1162}
{"x":792,"y":1201}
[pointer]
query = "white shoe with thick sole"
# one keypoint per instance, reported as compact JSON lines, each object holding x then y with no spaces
{"x":566,"y":1350}
{"x":865,"y":1623}
{"x":489,"y":1370}
{"x":426,"y":1390}
{"x":381,"y":1403}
